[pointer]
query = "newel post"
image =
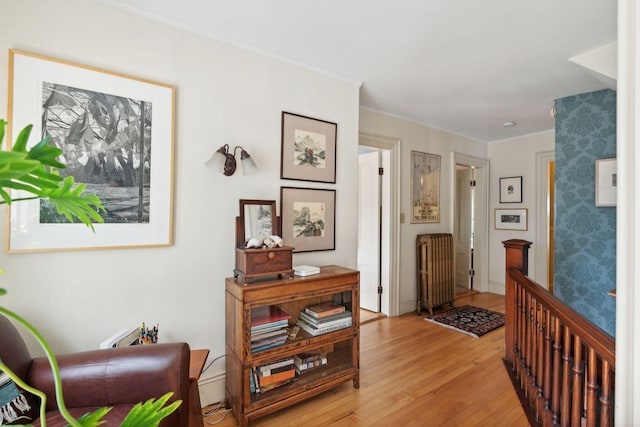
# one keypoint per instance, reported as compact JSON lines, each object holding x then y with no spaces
{"x":517,"y":256}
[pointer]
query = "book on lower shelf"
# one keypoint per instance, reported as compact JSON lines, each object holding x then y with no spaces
{"x":272,"y":375}
{"x":305,"y":362}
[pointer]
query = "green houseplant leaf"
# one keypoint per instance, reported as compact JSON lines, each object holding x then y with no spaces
{"x":29,"y":170}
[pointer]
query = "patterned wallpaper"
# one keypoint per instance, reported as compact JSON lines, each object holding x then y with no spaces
{"x":585,"y":235}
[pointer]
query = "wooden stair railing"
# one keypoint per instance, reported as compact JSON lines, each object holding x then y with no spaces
{"x":563,"y":364}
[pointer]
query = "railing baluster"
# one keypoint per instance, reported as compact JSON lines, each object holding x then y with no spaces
{"x":557,"y":357}
{"x":576,"y":390}
{"x":531,"y":365}
{"x":605,"y":396}
{"x":522,"y":369}
{"x":592,"y":387}
{"x":565,"y":413}
{"x":547,"y":363}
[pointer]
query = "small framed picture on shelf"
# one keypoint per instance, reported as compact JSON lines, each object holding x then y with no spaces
{"x":308,"y":149}
{"x":511,"y":189}
{"x":308,"y":218}
{"x":511,"y":219}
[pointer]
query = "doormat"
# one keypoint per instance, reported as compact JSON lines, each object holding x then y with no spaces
{"x":470,"y":320}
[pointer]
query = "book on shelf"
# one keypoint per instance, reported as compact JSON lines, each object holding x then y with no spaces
{"x":266,"y":369}
{"x":324,"y":309}
{"x":277,"y":377}
{"x":326,"y":321}
{"x":269,"y":341}
{"x":304,"y":363}
{"x":267,"y":346}
{"x":262,"y":383}
{"x":269,"y":326}
{"x":267,"y":315}
{"x":260,"y":335}
{"x":264,"y":389}
{"x":314,"y":330}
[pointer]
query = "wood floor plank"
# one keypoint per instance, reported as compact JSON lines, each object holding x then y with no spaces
{"x":416,"y":373}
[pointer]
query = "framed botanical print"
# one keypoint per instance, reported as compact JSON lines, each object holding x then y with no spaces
{"x":308,"y":218}
{"x":308,"y":149}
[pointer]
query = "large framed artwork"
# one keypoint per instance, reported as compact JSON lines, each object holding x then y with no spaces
{"x":116,"y":134}
{"x":308,"y":149}
{"x":425,"y":187}
{"x":308,"y":218}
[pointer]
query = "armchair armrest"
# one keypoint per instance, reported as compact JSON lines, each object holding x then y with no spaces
{"x":123,"y":375}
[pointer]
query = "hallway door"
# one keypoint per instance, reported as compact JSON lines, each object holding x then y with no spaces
{"x":369,"y":230}
{"x":464,"y":228}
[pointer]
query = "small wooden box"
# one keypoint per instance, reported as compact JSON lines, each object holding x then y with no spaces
{"x":263,"y":262}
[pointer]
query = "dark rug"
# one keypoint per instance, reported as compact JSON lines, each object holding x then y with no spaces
{"x":474,"y":321}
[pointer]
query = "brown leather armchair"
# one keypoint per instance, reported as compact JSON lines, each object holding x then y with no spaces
{"x":117,"y":378}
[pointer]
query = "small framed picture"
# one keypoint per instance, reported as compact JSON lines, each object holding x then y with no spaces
{"x":606,"y":182}
{"x":308,"y":218}
{"x":308,"y":149}
{"x":511,"y":189}
{"x":511,"y":219}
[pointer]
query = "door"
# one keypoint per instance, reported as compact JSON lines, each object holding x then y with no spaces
{"x":464,"y":228}
{"x":369,"y":230}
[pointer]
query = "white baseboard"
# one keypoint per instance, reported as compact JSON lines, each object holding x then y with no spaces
{"x":496,"y":288}
{"x":211,"y":389}
{"x":408,"y":306}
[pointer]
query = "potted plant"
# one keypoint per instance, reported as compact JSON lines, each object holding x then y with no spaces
{"x":34,"y":170}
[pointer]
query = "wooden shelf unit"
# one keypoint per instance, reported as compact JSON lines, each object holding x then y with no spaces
{"x":334,"y":283}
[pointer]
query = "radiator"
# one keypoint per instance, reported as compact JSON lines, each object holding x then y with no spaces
{"x":436,"y":283}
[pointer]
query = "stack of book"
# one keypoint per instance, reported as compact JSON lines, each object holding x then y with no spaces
{"x":304,"y":362}
{"x":275,"y":374}
{"x":324,"y":317}
{"x":269,"y":327}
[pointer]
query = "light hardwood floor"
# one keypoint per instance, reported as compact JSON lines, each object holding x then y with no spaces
{"x":415,"y":373}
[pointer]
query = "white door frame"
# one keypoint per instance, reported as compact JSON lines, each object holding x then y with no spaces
{"x":482,"y":219}
{"x":541,"y":247}
{"x":627,"y":412}
{"x":391,"y":298}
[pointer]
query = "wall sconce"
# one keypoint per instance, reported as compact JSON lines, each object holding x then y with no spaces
{"x":225,"y":162}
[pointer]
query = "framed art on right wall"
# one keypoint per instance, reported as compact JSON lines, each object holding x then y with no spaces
{"x":606,"y":182}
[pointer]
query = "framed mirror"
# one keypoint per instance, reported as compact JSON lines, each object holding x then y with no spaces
{"x":257,"y":219}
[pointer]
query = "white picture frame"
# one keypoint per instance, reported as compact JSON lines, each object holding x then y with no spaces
{"x":147,"y":222}
{"x":606,"y":182}
{"x":511,"y":219}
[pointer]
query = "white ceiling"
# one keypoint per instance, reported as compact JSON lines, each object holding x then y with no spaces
{"x":466,"y":66}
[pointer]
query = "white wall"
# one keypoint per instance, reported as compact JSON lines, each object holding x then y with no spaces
{"x":224,"y":95}
{"x":514,"y":157}
{"x":422,"y":138}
